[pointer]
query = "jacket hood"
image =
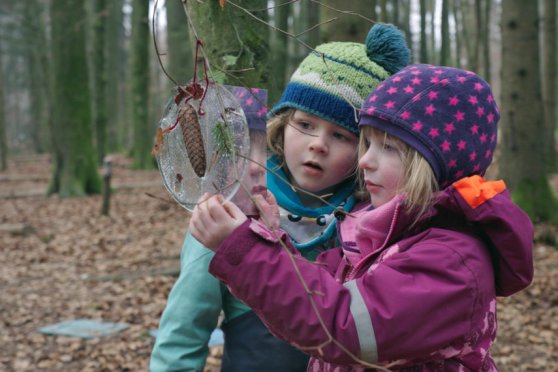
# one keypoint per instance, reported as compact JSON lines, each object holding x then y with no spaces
{"x":506,"y":228}
{"x":470,"y":205}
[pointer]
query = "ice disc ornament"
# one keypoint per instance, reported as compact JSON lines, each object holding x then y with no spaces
{"x":202,"y":145}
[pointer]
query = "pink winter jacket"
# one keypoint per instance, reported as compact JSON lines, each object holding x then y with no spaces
{"x":420,"y":297}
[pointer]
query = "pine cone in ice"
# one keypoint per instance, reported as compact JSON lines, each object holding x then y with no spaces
{"x":193,"y":140}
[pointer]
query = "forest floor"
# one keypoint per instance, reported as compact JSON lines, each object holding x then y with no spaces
{"x":62,"y":260}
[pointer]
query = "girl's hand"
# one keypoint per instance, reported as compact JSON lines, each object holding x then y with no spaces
{"x":213,"y":220}
{"x":269,"y":210}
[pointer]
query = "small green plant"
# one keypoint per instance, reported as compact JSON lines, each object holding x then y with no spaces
{"x":223,"y":138}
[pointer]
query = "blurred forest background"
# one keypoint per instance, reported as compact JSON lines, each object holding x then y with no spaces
{"x":84,"y":80}
{"x":81,"y":79}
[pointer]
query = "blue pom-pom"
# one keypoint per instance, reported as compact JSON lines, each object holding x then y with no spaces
{"x":386,"y":45}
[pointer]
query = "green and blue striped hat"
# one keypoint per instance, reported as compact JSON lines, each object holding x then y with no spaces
{"x":333,"y":81}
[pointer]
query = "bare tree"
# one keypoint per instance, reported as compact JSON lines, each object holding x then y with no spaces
{"x":179,"y":45}
{"x":522,"y":162}
{"x":100,"y":76}
{"x":74,"y":171}
{"x":549,"y":81}
{"x":139,"y":86}
{"x":3,"y":141}
{"x":445,"y":52}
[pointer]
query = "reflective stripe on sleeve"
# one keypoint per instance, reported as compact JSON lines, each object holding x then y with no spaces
{"x":363,"y":324}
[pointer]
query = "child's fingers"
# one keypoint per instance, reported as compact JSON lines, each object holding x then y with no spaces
{"x":269,"y":211}
{"x":233,"y":211}
{"x":197,"y":225}
{"x":270,"y":198}
{"x":201,"y":215}
{"x":203,"y":198}
{"x":217,"y":210}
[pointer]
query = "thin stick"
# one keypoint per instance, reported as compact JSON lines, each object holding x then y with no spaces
{"x":155,"y":43}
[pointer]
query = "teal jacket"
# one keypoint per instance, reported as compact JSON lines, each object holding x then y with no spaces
{"x":193,"y":308}
{"x":197,"y":298}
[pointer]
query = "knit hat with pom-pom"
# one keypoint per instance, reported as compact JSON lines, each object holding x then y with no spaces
{"x":333,"y":81}
{"x":447,"y":114}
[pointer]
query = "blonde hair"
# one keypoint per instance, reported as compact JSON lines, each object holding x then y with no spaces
{"x":419,"y":182}
{"x":276,"y":133}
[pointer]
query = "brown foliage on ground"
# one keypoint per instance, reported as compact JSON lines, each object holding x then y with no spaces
{"x":62,"y":260}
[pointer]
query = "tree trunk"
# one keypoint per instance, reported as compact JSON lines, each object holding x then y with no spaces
{"x":549,"y":82}
{"x":305,"y":17}
{"x":278,"y":45}
{"x":432,"y":40}
{"x":522,"y":162}
{"x":233,"y":41}
{"x":312,"y":35}
{"x":445,"y":52}
{"x":467,"y":24}
{"x":486,"y":40}
{"x":100,"y":21}
{"x":347,"y":27}
{"x":423,"y":41}
{"x":406,"y":25}
{"x":374,"y":12}
{"x":34,"y":44}
{"x":116,"y":62}
{"x":460,"y":47}
{"x":395,"y":19}
{"x":383,"y":11}
{"x":3,"y":141}
{"x":179,"y":50}
{"x":74,"y":171}
{"x":139,"y":86}
{"x":478,"y":36}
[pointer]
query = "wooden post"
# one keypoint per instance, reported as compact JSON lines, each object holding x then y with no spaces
{"x":107,"y":173}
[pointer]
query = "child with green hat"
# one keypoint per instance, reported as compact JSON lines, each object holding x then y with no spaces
{"x":312,"y":135}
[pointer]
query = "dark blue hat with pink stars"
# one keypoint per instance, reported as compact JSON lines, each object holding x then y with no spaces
{"x":254,"y":104}
{"x":447,"y":114}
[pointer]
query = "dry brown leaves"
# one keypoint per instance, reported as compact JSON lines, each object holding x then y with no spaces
{"x":74,"y":263}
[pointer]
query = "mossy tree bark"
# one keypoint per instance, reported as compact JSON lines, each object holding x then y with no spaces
{"x":522,"y":162}
{"x":234,"y":42}
{"x":74,"y":172}
{"x":100,"y":76}
{"x":139,"y":87}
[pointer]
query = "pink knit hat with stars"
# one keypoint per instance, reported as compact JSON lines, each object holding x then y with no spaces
{"x":447,"y":114}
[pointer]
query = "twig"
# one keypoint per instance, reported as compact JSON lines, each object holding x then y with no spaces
{"x":349,"y":12}
{"x":270,"y":25}
{"x":317,"y":25}
{"x":155,"y":43}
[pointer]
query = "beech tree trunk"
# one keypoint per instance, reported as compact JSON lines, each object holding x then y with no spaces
{"x":74,"y":172}
{"x":522,"y":162}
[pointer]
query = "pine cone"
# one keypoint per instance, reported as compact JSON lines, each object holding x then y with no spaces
{"x":193,"y":140}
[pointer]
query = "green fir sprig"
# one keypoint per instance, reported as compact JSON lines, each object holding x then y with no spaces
{"x":223,"y":138}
